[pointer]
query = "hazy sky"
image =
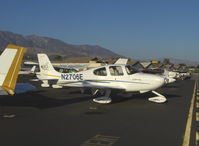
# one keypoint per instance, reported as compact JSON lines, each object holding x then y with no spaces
{"x":133,"y":28}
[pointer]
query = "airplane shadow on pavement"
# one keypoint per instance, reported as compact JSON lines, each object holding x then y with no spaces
{"x":48,"y":98}
{"x":37,"y":100}
{"x":144,"y":96}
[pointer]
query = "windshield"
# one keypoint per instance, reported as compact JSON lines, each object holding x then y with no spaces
{"x":131,"y":70}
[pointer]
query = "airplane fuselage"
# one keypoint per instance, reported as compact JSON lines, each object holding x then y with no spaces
{"x":129,"y":82}
{"x":109,"y":77}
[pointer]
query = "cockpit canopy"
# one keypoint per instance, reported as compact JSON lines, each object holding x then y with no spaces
{"x":115,"y":70}
{"x":131,"y":69}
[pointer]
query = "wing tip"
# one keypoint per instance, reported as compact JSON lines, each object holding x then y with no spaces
{"x":11,"y":46}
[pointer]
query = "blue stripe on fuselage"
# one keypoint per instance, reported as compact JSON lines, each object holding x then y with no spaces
{"x":108,"y":81}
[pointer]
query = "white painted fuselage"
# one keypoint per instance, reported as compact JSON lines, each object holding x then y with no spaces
{"x":108,"y":77}
{"x":128,"y":82}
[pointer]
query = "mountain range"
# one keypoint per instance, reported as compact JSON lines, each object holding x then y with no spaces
{"x":177,"y":61}
{"x":52,"y":47}
{"x":181,"y":61}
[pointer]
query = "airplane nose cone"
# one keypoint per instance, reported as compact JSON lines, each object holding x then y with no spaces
{"x":170,"y":80}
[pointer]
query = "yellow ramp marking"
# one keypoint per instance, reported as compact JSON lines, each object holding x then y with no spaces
{"x":197,"y":116}
{"x":187,"y":134}
{"x":101,"y":140}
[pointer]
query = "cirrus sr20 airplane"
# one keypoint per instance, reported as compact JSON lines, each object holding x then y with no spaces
{"x":105,"y":78}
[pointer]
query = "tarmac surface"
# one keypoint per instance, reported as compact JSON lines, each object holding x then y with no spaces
{"x":64,"y":117}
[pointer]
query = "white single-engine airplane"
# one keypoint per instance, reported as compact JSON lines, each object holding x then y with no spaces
{"x":109,"y":77}
{"x":10,"y":62}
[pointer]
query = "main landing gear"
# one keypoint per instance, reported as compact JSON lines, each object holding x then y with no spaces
{"x":105,"y":99}
{"x":157,"y":99}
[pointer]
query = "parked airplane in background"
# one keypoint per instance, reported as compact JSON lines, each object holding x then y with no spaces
{"x":109,"y":77}
{"x":178,"y":74}
{"x":184,"y":75}
{"x":31,"y":71}
{"x":171,"y":74}
{"x":10,"y":61}
{"x":121,"y":61}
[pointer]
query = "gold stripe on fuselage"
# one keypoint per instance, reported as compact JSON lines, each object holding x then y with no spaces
{"x":51,"y":75}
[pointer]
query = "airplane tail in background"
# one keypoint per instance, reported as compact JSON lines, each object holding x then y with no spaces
{"x":121,"y":61}
{"x":33,"y":69}
{"x":10,"y":62}
{"x":45,"y":65}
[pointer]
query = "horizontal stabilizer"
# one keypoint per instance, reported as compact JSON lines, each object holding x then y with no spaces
{"x":10,"y":62}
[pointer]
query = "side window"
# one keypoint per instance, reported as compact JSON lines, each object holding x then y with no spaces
{"x":116,"y":70}
{"x":100,"y":72}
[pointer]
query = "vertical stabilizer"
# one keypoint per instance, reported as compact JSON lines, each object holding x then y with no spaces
{"x":121,"y":61}
{"x":10,"y":62}
{"x":45,"y":65}
{"x":33,"y":69}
